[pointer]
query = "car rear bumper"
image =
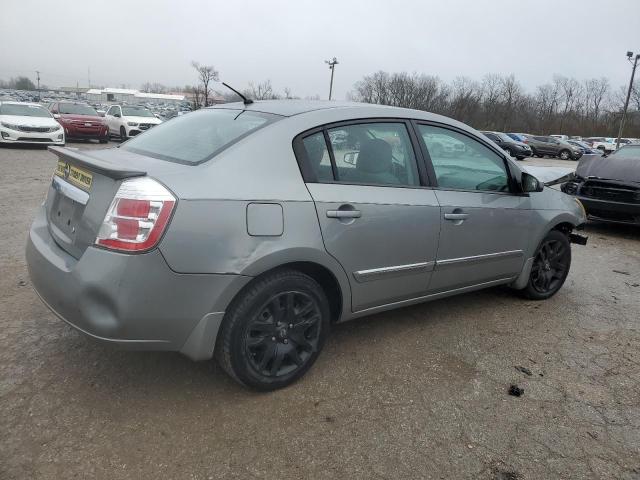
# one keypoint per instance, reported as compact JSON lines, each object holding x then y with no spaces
{"x":133,"y":301}
{"x":610,"y":211}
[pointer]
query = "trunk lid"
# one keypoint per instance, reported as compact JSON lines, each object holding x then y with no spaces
{"x":81,"y":191}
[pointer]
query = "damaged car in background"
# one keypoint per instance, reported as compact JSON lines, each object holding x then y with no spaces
{"x":609,"y":186}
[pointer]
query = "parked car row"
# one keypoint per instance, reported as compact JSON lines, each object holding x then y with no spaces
{"x":23,"y":122}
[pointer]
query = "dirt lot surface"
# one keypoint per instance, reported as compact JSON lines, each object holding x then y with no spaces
{"x":415,"y":393}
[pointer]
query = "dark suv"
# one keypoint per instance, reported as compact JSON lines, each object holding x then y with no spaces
{"x":541,"y":146}
{"x":513,"y":147}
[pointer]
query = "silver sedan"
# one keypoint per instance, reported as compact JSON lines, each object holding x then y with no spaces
{"x":244,"y":231}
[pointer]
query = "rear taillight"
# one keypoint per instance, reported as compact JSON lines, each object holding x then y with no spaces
{"x":137,"y":216}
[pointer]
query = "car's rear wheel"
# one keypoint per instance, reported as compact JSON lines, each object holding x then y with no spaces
{"x":550,"y":266}
{"x":564,"y":155}
{"x":274,"y":331}
{"x":123,"y":134}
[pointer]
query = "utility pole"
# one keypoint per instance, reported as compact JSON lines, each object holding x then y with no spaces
{"x":626,"y":103}
{"x":332,"y":65}
{"x":38,"y":78}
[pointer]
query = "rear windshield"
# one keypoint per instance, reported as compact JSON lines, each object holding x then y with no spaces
{"x":197,"y":136}
{"x":24,"y":110}
{"x":77,"y":109}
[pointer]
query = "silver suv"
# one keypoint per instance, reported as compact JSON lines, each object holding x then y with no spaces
{"x":246,"y":231}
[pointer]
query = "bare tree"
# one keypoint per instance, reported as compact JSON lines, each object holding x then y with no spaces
{"x":261,"y":91}
{"x":206,"y":75}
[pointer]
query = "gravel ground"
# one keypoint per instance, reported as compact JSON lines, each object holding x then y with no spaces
{"x":420,"y":392}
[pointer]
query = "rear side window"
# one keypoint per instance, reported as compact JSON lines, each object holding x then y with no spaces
{"x":366,"y":153}
{"x":198,"y":136}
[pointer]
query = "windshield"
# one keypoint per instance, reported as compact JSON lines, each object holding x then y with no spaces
{"x":197,"y":136}
{"x":136,"y":112}
{"x":627,"y":152}
{"x":24,"y":110}
{"x":77,"y":109}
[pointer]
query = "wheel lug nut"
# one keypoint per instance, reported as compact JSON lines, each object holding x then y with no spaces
{"x":291,"y":325}
{"x":286,"y":341}
{"x":273,"y":338}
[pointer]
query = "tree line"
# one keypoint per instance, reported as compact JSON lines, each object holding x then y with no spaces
{"x":499,"y":102}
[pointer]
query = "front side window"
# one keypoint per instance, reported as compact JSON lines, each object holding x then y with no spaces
{"x":462,"y":163}
{"x":198,"y":136}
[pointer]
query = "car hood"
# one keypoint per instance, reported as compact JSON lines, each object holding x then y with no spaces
{"x":82,"y":118}
{"x":29,"y":121}
{"x":520,"y":144}
{"x":143,"y":119}
{"x":610,"y":168}
{"x":549,"y":175}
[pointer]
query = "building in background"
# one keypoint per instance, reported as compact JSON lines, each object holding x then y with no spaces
{"x":130,"y":96}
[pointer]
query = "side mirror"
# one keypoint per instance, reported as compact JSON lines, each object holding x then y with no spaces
{"x":531,"y":183}
{"x":117,"y":115}
{"x":101,"y":114}
{"x":351,"y":158}
{"x":56,"y":115}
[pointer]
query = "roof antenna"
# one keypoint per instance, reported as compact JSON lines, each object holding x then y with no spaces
{"x":245,"y":100}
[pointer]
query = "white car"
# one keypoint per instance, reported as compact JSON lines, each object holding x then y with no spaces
{"x":29,"y":123}
{"x":601,"y":143}
{"x":126,"y":121}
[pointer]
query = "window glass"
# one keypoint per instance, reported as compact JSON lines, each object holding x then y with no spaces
{"x":198,"y":136}
{"x":318,"y":156}
{"x":374,"y":154}
{"x":462,"y":163}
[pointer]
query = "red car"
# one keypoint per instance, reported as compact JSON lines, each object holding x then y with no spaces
{"x":79,"y":120}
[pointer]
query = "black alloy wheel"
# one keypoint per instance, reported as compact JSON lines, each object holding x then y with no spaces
{"x":284,"y":334}
{"x":565,"y":155}
{"x":274,"y":330}
{"x":550,"y":266}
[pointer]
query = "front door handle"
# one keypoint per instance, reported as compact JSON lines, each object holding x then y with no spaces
{"x":456,"y":216}
{"x":344,"y":213}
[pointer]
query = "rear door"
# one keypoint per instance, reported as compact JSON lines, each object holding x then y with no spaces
{"x":377,"y":215}
{"x":485,"y":224}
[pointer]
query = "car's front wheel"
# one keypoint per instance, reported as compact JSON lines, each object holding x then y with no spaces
{"x":273,"y":332}
{"x":550,"y":267}
{"x":123,"y":134}
{"x":564,"y":155}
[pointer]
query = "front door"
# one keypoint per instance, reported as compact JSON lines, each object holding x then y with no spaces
{"x":376,"y":216}
{"x":485,"y":226}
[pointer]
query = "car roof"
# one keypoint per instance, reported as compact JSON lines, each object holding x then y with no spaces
{"x":288,"y":108}
{"x":344,"y":110}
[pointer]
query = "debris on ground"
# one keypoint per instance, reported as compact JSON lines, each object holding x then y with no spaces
{"x":621,"y":272}
{"x":632,"y":284}
{"x":515,"y":391}
{"x":22,"y":283}
{"x":524,"y":370}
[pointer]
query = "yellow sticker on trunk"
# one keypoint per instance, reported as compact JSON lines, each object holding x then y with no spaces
{"x":74,"y":175}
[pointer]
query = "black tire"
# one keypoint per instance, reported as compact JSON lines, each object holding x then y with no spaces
{"x":123,"y":134}
{"x":564,"y":155}
{"x":274,"y":330}
{"x":520,"y":157}
{"x":550,"y":268}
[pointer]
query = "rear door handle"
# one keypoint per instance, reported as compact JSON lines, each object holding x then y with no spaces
{"x":456,"y":216}
{"x":344,"y":213}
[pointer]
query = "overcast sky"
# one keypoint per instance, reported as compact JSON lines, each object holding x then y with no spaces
{"x":131,"y":42}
